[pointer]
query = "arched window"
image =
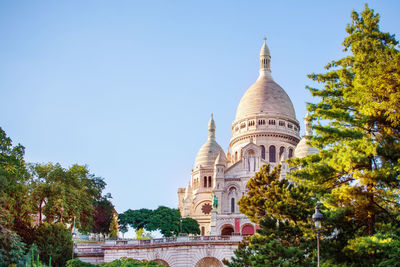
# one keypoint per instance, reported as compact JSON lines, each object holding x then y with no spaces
{"x":236,"y":156}
{"x":290,"y":153}
{"x":281,"y":151}
{"x":263,"y":152}
{"x":205,"y":181}
{"x":233,"y":205}
{"x":272,"y":154}
{"x":209,"y":181}
{"x":203,"y":230}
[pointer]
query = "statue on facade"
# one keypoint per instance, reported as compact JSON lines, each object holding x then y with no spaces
{"x":215,"y":202}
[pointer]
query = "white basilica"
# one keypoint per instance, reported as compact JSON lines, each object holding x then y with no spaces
{"x":265,"y":130}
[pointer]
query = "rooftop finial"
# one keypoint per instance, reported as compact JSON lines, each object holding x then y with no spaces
{"x":265,"y":57}
{"x":211,"y":128}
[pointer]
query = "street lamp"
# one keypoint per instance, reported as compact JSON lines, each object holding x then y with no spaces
{"x":317,"y":219}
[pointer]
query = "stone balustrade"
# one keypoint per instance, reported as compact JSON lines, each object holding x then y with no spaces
{"x":166,"y":240}
{"x":176,"y":251}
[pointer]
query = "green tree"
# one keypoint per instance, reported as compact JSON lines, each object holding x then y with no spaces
{"x":358,"y":166}
{"x":12,"y":249}
{"x":190,"y":226}
{"x":65,"y":195}
{"x":123,"y":223}
{"x":356,"y":173}
{"x":14,"y":209}
{"x":135,"y":218}
{"x":54,"y":241}
{"x":164,"y":219}
{"x":283,"y":211}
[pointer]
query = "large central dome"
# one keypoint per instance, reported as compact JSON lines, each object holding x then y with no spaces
{"x":265,"y":96}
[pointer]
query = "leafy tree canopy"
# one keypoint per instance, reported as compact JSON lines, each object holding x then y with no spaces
{"x":54,"y":241}
{"x":164,"y":219}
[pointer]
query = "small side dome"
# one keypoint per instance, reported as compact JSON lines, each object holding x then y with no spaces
{"x":303,"y":149}
{"x":209,"y":151}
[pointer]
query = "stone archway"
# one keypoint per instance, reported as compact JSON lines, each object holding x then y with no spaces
{"x":209,"y":262}
{"x":160,"y":261}
{"x":227,"y":230}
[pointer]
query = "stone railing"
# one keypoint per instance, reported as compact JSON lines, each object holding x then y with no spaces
{"x":179,"y":239}
{"x":88,"y":248}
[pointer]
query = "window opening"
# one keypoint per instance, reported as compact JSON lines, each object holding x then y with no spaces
{"x":290,"y":153}
{"x":263,"y":152}
{"x":272,"y":154}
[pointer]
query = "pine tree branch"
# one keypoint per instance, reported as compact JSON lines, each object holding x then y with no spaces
{"x":382,"y":208}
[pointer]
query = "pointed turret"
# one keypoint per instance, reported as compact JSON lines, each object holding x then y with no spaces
{"x":188,"y":192}
{"x":228,"y":155}
{"x":265,"y":58}
{"x":220,"y":160}
{"x":211,"y":128}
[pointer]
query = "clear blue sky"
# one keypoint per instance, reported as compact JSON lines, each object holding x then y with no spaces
{"x":127,"y":87}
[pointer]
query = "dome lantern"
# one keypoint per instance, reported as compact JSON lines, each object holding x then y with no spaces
{"x":265,"y":58}
{"x":211,"y":128}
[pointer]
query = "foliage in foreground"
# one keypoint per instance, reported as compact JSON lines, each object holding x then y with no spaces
{"x":37,"y":201}
{"x":164,"y":219}
{"x":54,"y":241}
{"x":122,"y":262}
{"x":282,"y":210}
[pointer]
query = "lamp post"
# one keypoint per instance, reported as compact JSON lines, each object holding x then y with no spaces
{"x":317,"y":219}
{"x":181,"y":224}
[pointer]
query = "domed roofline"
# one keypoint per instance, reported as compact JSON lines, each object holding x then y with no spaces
{"x":207,"y":154}
{"x":265,"y":96}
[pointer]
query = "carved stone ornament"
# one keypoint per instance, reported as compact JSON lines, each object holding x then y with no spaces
{"x":206,"y":208}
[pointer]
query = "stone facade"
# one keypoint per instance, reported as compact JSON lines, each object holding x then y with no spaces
{"x":265,"y":130}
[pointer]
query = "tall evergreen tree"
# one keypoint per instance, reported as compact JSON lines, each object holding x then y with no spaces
{"x":357,"y":124}
{"x":357,"y":128}
{"x":355,"y":175}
